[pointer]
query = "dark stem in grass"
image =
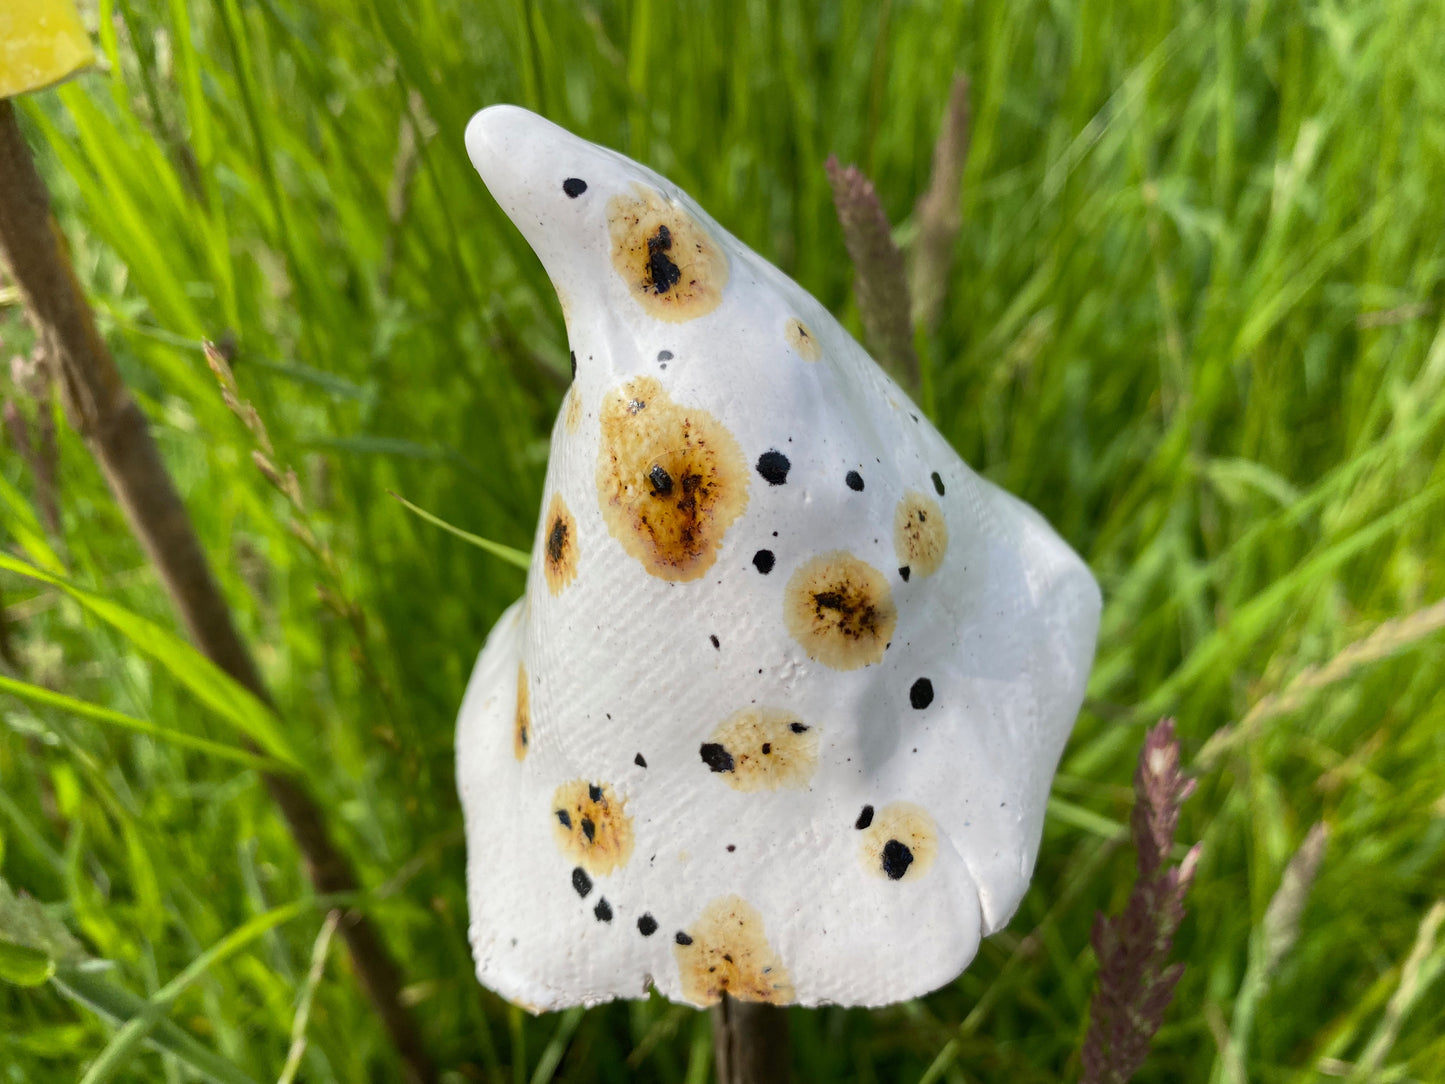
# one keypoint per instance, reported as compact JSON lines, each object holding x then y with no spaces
{"x":116,"y":430}
{"x":750,"y":1042}
{"x":880,"y":279}
{"x":1136,"y":978}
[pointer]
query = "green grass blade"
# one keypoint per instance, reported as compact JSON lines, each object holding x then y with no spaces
{"x":88,"y":987}
{"x":20,"y":520}
{"x":122,"y":1046}
{"x":210,"y":684}
{"x":512,"y":556}
{"x":38,"y":695}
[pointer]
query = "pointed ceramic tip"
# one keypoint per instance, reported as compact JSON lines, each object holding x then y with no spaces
{"x":496,"y":133}
{"x":556,"y":188}
{"x":523,"y":158}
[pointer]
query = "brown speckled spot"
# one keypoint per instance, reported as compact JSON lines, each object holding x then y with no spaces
{"x":596,"y":834}
{"x":727,"y":952}
{"x":559,"y":545}
{"x":522,"y":724}
{"x":572,"y":409}
{"x":919,"y":534}
{"x":671,"y":265}
{"x":840,"y":610}
{"x":900,"y":843}
{"x":670,"y":480}
{"x":770,"y":749}
{"x":801,"y":338}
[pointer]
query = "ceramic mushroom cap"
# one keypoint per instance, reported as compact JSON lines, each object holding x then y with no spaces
{"x":778,"y":713}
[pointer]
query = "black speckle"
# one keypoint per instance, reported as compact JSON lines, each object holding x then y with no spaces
{"x":573,"y":355}
{"x":773,"y":465}
{"x":574,"y":186}
{"x":594,"y":792}
{"x":767,"y":748}
{"x":913,"y":416}
{"x":798,"y":728}
{"x":896,"y":859}
{"x":904,"y":571}
{"x":938,"y":483}
{"x":557,"y":540}
{"x":564,"y":818}
{"x":682,"y":938}
{"x":662,"y":272}
{"x":589,"y":829}
{"x":639,"y":761}
{"x":664,"y":355}
{"x":763,"y":561}
{"x":603,"y":910}
{"x":581,"y":882}
{"x":647,"y":925}
{"x":921,"y":694}
{"x":716,"y":642}
{"x":855,"y":481}
{"x":660,"y":479}
{"x":732,"y":847}
{"x":716,"y":757}
{"x":864,"y":819}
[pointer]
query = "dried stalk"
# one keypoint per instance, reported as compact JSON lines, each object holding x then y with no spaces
{"x":1385,"y":639}
{"x":102,"y":410}
{"x":937,"y":215}
{"x":880,"y":280}
{"x":1136,"y":980}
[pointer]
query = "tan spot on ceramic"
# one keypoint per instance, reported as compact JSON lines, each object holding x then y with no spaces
{"x":522,"y":720}
{"x":572,"y":409}
{"x":919,"y":534}
{"x":559,"y":545}
{"x":728,"y":953}
{"x":670,"y":480}
{"x":591,"y":826}
{"x":900,"y":844}
{"x":840,"y":610}
{"x":764,"y":749}
{"x":801,"y":338}
{"x":671,"y":265}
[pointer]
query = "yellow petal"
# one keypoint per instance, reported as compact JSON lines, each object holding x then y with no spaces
{"x":41,"y":42}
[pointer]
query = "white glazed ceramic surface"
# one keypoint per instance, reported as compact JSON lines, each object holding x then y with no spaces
{"x":795,"y":678}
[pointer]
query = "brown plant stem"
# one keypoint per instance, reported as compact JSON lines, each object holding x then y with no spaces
{"x":1136,"y":978}
{"x":750,"y":1042}
{"x":938,"y":214}
{"x":116,"y":430}
{"x":880,"y":279}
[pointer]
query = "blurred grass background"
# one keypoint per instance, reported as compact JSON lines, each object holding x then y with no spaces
{"x":1197,"y":318}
